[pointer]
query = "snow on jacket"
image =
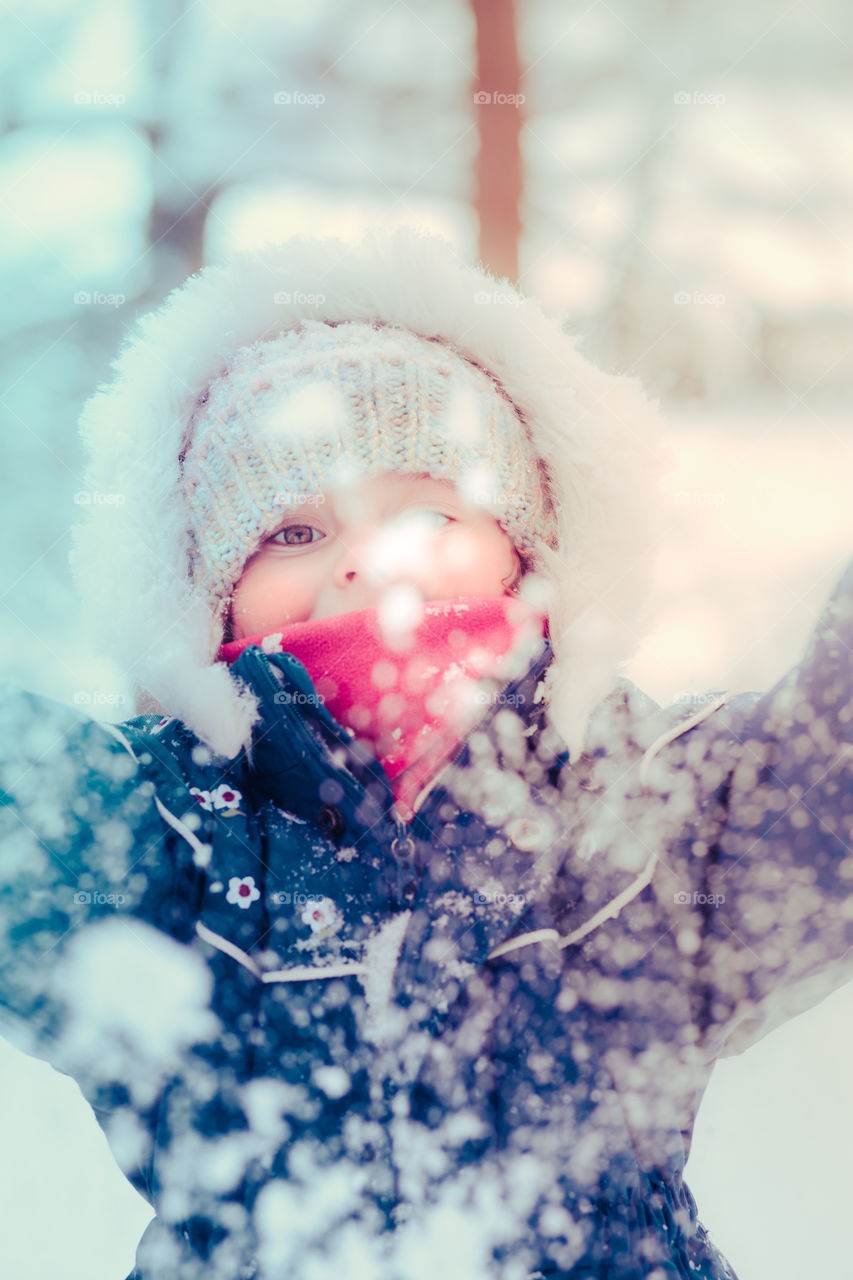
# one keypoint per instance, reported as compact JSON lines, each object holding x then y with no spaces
{"x":322,"y":1042}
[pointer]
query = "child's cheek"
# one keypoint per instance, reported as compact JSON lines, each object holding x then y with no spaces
{"x":474,"y":561}
{"x":467,"y":550}
{"x":268,"y":595}
{"x":244,"y":607}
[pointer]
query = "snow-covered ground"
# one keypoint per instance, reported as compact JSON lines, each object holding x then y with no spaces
{"x":758,"y":528}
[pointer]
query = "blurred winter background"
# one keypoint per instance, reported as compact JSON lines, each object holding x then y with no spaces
{"x":677,"y":177}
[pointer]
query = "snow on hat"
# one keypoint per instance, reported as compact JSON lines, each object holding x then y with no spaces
{"x":294,"y":411}
{"x":597,"y":436}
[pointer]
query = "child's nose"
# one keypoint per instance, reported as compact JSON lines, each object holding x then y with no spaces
{"x":359,"y":557}
{"x":383,"y":552}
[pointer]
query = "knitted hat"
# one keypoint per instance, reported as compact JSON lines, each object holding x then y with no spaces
{"x":293,"y":413}
{"x":597,"y":436}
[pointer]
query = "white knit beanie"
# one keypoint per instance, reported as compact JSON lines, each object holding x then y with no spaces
{"x":292,"y":413}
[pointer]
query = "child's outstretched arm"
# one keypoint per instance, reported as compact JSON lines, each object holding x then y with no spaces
{"x":766,"y":788}
{"x":96,"y":898}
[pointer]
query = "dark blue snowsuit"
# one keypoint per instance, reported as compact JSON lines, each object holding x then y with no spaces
{"x":375,"y":1081}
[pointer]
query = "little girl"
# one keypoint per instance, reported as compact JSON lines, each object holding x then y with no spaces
{"x":400,"y":934}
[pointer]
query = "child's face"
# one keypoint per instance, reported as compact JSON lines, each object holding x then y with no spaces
{"x":346,"y":550}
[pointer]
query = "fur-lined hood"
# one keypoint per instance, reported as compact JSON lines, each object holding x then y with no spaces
{"x":599,"y":437}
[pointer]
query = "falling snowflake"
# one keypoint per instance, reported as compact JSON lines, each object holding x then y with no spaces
{"x":320,"y":914}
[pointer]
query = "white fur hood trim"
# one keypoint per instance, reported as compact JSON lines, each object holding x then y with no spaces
{"x":598,"y":435}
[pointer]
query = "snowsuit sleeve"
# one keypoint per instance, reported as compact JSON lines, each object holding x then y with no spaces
{"x":96,"y":901}
{"x":761,"y":896}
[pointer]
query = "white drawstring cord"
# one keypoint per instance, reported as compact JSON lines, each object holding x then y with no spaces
{"x":612,"y":908}
{"x":201,"y":852}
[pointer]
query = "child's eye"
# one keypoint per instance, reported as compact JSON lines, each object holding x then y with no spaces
{"x":281,"y":539}
{"x":426,"y":511}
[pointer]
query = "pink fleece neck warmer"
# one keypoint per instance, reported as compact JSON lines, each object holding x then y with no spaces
{"x":411,"y":695}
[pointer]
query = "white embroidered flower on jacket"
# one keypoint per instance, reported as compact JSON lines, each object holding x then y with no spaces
{"x":203,"y":797}
{"x":321,"y":913}
{"x":242,"y":891}
{"x":225,"y":797}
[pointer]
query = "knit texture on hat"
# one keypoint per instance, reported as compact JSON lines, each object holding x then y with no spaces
{"x":313,"y":405}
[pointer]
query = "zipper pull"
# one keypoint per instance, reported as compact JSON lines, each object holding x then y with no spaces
{"x":403,"y":851}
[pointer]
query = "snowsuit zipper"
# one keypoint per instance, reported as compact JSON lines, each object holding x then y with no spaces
{"x":403,"y":849}
{"x":403,"y":846}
